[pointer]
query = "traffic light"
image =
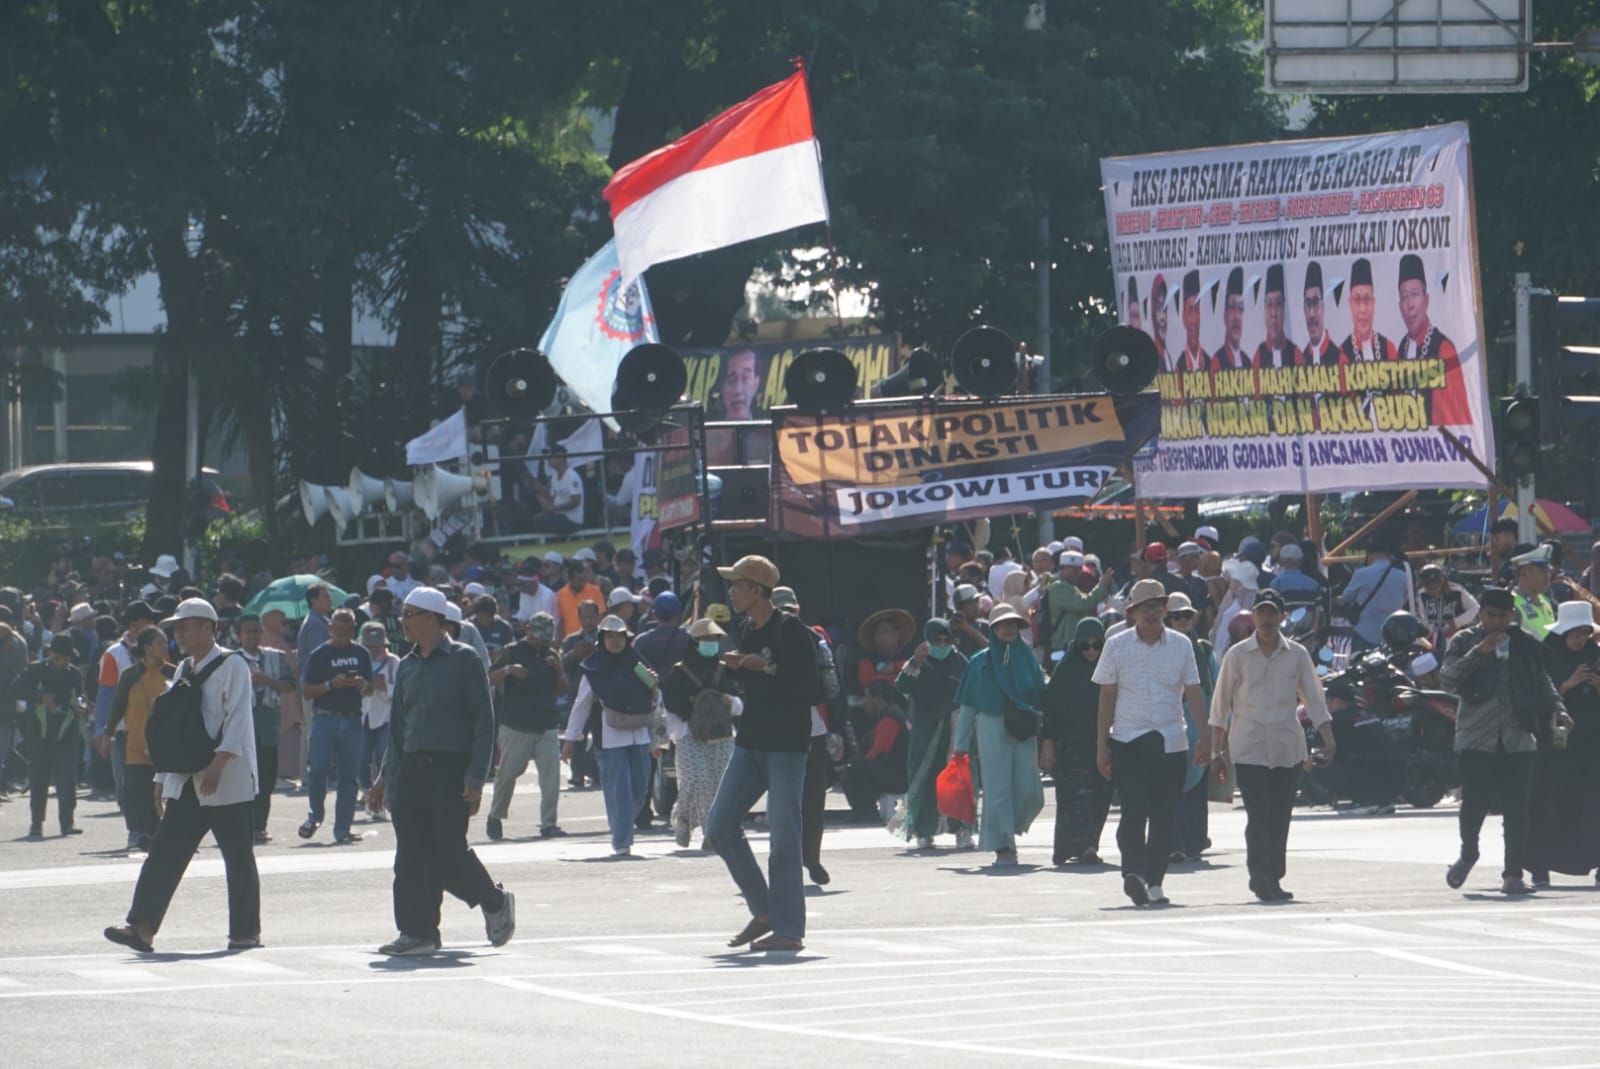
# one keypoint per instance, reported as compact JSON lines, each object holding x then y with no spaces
{"x":1565,"y":372}
{"x":1519,"y":427}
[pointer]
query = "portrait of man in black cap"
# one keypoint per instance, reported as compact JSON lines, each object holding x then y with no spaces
{"x":1364,"y":342}
{"x":1135,"y":316}
{"x":1158,"y":318}
{"x":1193,"y":358}
{"x":1277,"y":350}
{"x":1319,"y":347}
{"x":1425,"y":341}
{"x":1230,"y":355}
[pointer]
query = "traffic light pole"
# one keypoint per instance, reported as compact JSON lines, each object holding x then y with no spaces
{"x":1525,"y":489}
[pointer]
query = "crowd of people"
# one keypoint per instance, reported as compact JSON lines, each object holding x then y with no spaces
{"x":1164,"y":686}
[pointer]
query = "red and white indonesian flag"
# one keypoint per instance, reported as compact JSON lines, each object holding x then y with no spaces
{"x":754,"y":170}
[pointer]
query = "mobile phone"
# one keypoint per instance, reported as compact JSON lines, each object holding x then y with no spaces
{"x":647,"y":677}
{"x":1319,"y":758}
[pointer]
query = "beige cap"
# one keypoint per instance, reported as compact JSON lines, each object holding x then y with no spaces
{"x":758,"y":570}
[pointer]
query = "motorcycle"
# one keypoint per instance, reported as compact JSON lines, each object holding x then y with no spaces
{"x":1392,"y":736}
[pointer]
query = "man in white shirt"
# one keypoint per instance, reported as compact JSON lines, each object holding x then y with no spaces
{"x":562,"y":500}
{"x":1254,"y":715}
{"x":534,"y":594}
{"x":375,"y":699}
{"x":219,"y":799}
{"x":1147,"y":674}
{"x":999,"y":571}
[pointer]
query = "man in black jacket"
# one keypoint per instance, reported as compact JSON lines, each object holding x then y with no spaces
{"x":1507,"y":699}
{"x":531,"y":678}
{"x":776,"y":668}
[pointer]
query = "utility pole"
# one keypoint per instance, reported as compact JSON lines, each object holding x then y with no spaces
{"x":1526,"y":530}
{"x":1034,"y":22}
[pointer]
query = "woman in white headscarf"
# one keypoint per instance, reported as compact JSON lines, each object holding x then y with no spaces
{"x":1244,"y":579}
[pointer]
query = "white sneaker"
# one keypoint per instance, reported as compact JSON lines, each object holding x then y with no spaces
{"x":924,"y":842}
{"x":963,"y":839}
{"x":501,"y":926}
{"x":1158,"y":897}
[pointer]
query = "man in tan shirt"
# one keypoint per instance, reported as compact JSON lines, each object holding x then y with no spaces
{"x":1254,"y":714}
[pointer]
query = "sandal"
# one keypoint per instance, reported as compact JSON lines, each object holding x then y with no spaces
{"x":127,"y":937}
{"x":758,"y":927}
{"x":778,"y":942}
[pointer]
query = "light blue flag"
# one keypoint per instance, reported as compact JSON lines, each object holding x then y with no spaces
{"x":596,"y":324}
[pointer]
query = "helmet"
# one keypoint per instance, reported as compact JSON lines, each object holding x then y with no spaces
{"x":1401,"y":630}
{"x":1241,"y":627}
{"x":1110,"y":618}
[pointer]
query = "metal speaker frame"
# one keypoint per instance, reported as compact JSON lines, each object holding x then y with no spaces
{"x":650,"y":380}
{"x":397,"y":494}
{"x":1124,"y":359}
{"x":521,"y":384}
{"x":922,"y":375}
{"x":365,"y":490}
{"x":821,"y":382}
{"x":314,"y":501}
{"x":984,"y":360}
{"x":436,"y":490}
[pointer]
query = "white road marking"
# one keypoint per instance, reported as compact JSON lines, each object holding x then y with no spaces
{"x":1498,"y":974}
{"x":991,"y":1050}
{"x":1494,"y":930}
{"x":136,"y":974}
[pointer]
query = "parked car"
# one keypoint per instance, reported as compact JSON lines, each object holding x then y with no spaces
{"x":76,"y":496}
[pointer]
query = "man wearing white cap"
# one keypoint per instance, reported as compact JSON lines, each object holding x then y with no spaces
{"x":220,"y":798}
{"x":441,"y":739}
{"x":1067,"y":603}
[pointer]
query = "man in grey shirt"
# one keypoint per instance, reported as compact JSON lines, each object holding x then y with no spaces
{"x":1378,"y":588}
{"x":1507,"y":697}
{"x":441,"y":737}
{"x":314,"y":628}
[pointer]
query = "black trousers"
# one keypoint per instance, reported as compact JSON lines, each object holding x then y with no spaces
{"x":139,"y":798}
{"x":1148,"y":786}
{"x":266,"y":779}
{"x":431,"y":855}
{"x":1268,"y":795}
{"x":1485,"y":777}
{"x":814,"y":801}
{"x":177,"y":837}
{"x":53,"y":760}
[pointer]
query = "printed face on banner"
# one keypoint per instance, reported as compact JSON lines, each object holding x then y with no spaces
{"x":1329,"y":312}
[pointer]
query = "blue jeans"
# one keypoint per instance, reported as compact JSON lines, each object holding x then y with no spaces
{"x":624,"y":777}
{"x":374,"y":747}
{"x":330,"y":736}
{"x":781,"y":777}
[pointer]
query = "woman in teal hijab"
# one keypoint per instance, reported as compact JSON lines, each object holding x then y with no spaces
{"x":1068,"y":747}
{"x":1007,"y":673}
{"x":930,"y":680}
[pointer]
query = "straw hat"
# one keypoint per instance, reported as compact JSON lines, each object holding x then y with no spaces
{"x":905,"y":627}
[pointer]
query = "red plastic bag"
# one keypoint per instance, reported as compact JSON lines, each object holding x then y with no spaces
{"x":954,"y":790}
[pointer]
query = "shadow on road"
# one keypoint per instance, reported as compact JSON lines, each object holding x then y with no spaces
{"x":442,"y":959}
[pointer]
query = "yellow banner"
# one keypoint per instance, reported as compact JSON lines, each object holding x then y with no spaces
{"x":889,"y":450}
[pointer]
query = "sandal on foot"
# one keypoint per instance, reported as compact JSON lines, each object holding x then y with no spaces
{"x":758,"y":927}
{"x":778,"y":942}
{"x":127,"y":937}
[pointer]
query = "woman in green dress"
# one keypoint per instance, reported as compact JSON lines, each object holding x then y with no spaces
{"x":1007,"y":673}
{"x":930,"y":680}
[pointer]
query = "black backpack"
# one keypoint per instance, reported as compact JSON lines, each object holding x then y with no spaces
{"x":175,"y":734}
